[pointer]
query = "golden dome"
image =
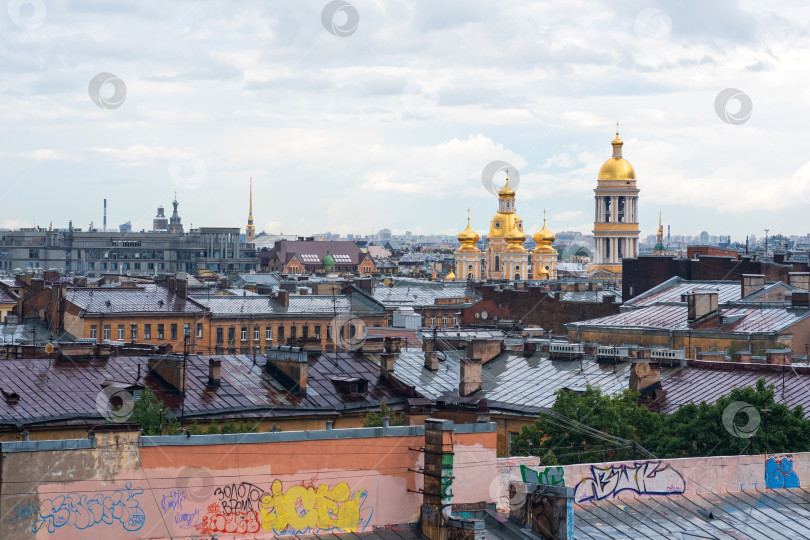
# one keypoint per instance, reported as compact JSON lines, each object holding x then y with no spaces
{"x":503,"y":223}
{"x":506,"y":191}
{"x":450,"y":276}
{"x":514,"y":239}
{"x":544,"y":236}
{"x":468,"y":236}
{"x":617,"y":168}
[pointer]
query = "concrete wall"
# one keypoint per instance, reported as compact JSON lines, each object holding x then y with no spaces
{"x":245,"y":485}
{"x":662,"y":478}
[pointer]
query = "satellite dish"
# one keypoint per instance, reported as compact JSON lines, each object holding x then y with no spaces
{"x":49,"y":348}
{"x":642,"y":369}
{"x":484,"y":314}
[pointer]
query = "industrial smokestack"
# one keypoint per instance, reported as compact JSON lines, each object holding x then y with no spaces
{"x":105,"y":215}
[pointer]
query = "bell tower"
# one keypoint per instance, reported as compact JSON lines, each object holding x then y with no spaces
{"x":250,"y":230}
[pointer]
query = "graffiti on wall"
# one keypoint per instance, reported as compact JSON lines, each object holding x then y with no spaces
{"x":779,"y":473}
{"x":172,"y":504}
{"x":642,"y":478}
{"x":550,"y":476}
{"x":247,"y":509}
{"x":85,"y":511}
{"x":447,"y":480}
{"x":24,"y":513}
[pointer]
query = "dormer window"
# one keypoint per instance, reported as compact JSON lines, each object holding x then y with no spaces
{"x":351,"y":386}
{"x":497,"y":224}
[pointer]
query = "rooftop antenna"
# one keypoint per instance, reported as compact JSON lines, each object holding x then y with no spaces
{"x":105,"y":216}
{"x":766,"y":242}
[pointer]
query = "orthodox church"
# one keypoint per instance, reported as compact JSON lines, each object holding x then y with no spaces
{"x":505,"y":256}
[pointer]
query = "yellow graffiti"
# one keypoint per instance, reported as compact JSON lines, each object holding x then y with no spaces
{"x":304,"y":508}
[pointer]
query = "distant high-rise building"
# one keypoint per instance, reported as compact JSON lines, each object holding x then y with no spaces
{"x":125,"y":227}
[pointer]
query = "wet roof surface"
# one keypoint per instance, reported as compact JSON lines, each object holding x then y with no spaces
{"x":54,"y":390}
{"x":708,"y":381}
{"x":409,"y":294}
{"x":770,"y":514}
{"x":512,"y":380}
{"x":230,"y":305}
{"x":146,"y":298}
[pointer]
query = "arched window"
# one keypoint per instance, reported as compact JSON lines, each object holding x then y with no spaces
{"x":497,"y":263}
{"x":517,"y":277}
{"x":469,"y":276}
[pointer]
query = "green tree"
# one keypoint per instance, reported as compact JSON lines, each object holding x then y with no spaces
{"x":747,"y":420}
{"x":150,"y":413}
{"x":375,"y":419}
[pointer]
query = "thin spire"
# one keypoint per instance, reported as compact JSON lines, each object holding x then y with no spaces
{"x":468,"y":217}
{"x":617,"y":128}
{"x":250,"y":210}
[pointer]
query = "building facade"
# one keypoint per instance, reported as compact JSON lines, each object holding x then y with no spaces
{"x":94,"y":253}
{"x":615,"y":227}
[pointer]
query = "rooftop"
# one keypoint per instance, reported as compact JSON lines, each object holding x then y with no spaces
{"x":147,"y":298}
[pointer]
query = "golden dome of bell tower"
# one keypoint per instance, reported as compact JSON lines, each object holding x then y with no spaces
{"x":468,"y":256}
{"x":615,"y":228}
{"x":506,"y":258}
{"x":544,"y":256}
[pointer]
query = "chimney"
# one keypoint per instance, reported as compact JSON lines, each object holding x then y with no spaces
{"x":744,"y":357}
{"x":800,"y":299}
{"x":283,"y":297}
{"x":289,"y":365}
{"x":365,"y":284}
{"x":431,"y":356}
{"x":387,"y":362}
{"x":700,"y":304}
{"x":214,"y":372}
{"x":171,"y":283}
{"x":393,"y":344}
{"x":181,"y":287}
{"x":752,"y":283}
{"x":778,"y":356}
{"x":485,"y":349}
{"x":799,"y":280}
{"x":169,"y":368}
{"x":469,"y":376}
{"x":645,"y":377}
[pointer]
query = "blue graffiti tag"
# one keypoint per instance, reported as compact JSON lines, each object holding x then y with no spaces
{"x":24,"y":512}
{"x":780,"y":474}
{"x":83,"y":512}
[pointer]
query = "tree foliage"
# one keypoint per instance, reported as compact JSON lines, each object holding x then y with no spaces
{"x":375,"y":419}
{"x":760,"y":423}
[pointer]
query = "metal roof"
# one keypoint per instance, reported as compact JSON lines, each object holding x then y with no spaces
{"x":65,"y":391}
{"x":673,"y":317}
{"x":590,"y":296}
{"x":510,"y":380}
{"x":708,"y":381}
{"x":671,"y":290}
{"x":411,"y":294}
{"x":303,"y":304}
{"x":773,"y":514}
{"x":147,"y":298}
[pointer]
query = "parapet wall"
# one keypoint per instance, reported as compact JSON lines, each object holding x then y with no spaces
{"x":258,"y":485}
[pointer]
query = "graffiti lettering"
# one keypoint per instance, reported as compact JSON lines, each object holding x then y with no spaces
{"x":569,"y":510}
{"x":242,"y":497}
{"x":24,"y":512}
{"x":779,"y":474}
{"x":173,"y":501}
{"x":301,"y":510}
{"x":643,"y":478}
{"x":82,"y":512}
{"x":187,"y":520}
{"x":550,"y":476}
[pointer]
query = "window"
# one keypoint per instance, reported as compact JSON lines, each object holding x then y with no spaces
{"x":268,"y":334}
{"x":150,"y":266}
{"x":497,"y":263}
{"x":160,"y":331}
{"x":120,"y":332}
{"x":174,"y":331}
{"x":160,"y":266}
{"x":186,"y":330}
{"x":281,"y":334}
{"x":113,"y":266}
{"x":93,"y":331}
{"x":91,"y":266}
{"x":293,"y":332}
{"x":244,"y":333}
{"x":444,"y":321}
{"x":231,"y":334}
{"x":305,"y":331}
{"x":317,"y":331}
{"x":256,"y":333}
{"x":455,"y":321}
{"x":219,"y":335}
{"x":199,"y":330}
{"x":433,"y":321}
{"x":133,"y":329}
{"x":147,"y":331}
{"x":329,"y":332}
{"x":103,"y":266}
{"x":107,"y":332}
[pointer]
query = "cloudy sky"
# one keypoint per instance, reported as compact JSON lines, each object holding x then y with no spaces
{"x":353,"y":117}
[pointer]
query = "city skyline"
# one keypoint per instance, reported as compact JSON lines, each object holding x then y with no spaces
{"x":329,"y":121}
